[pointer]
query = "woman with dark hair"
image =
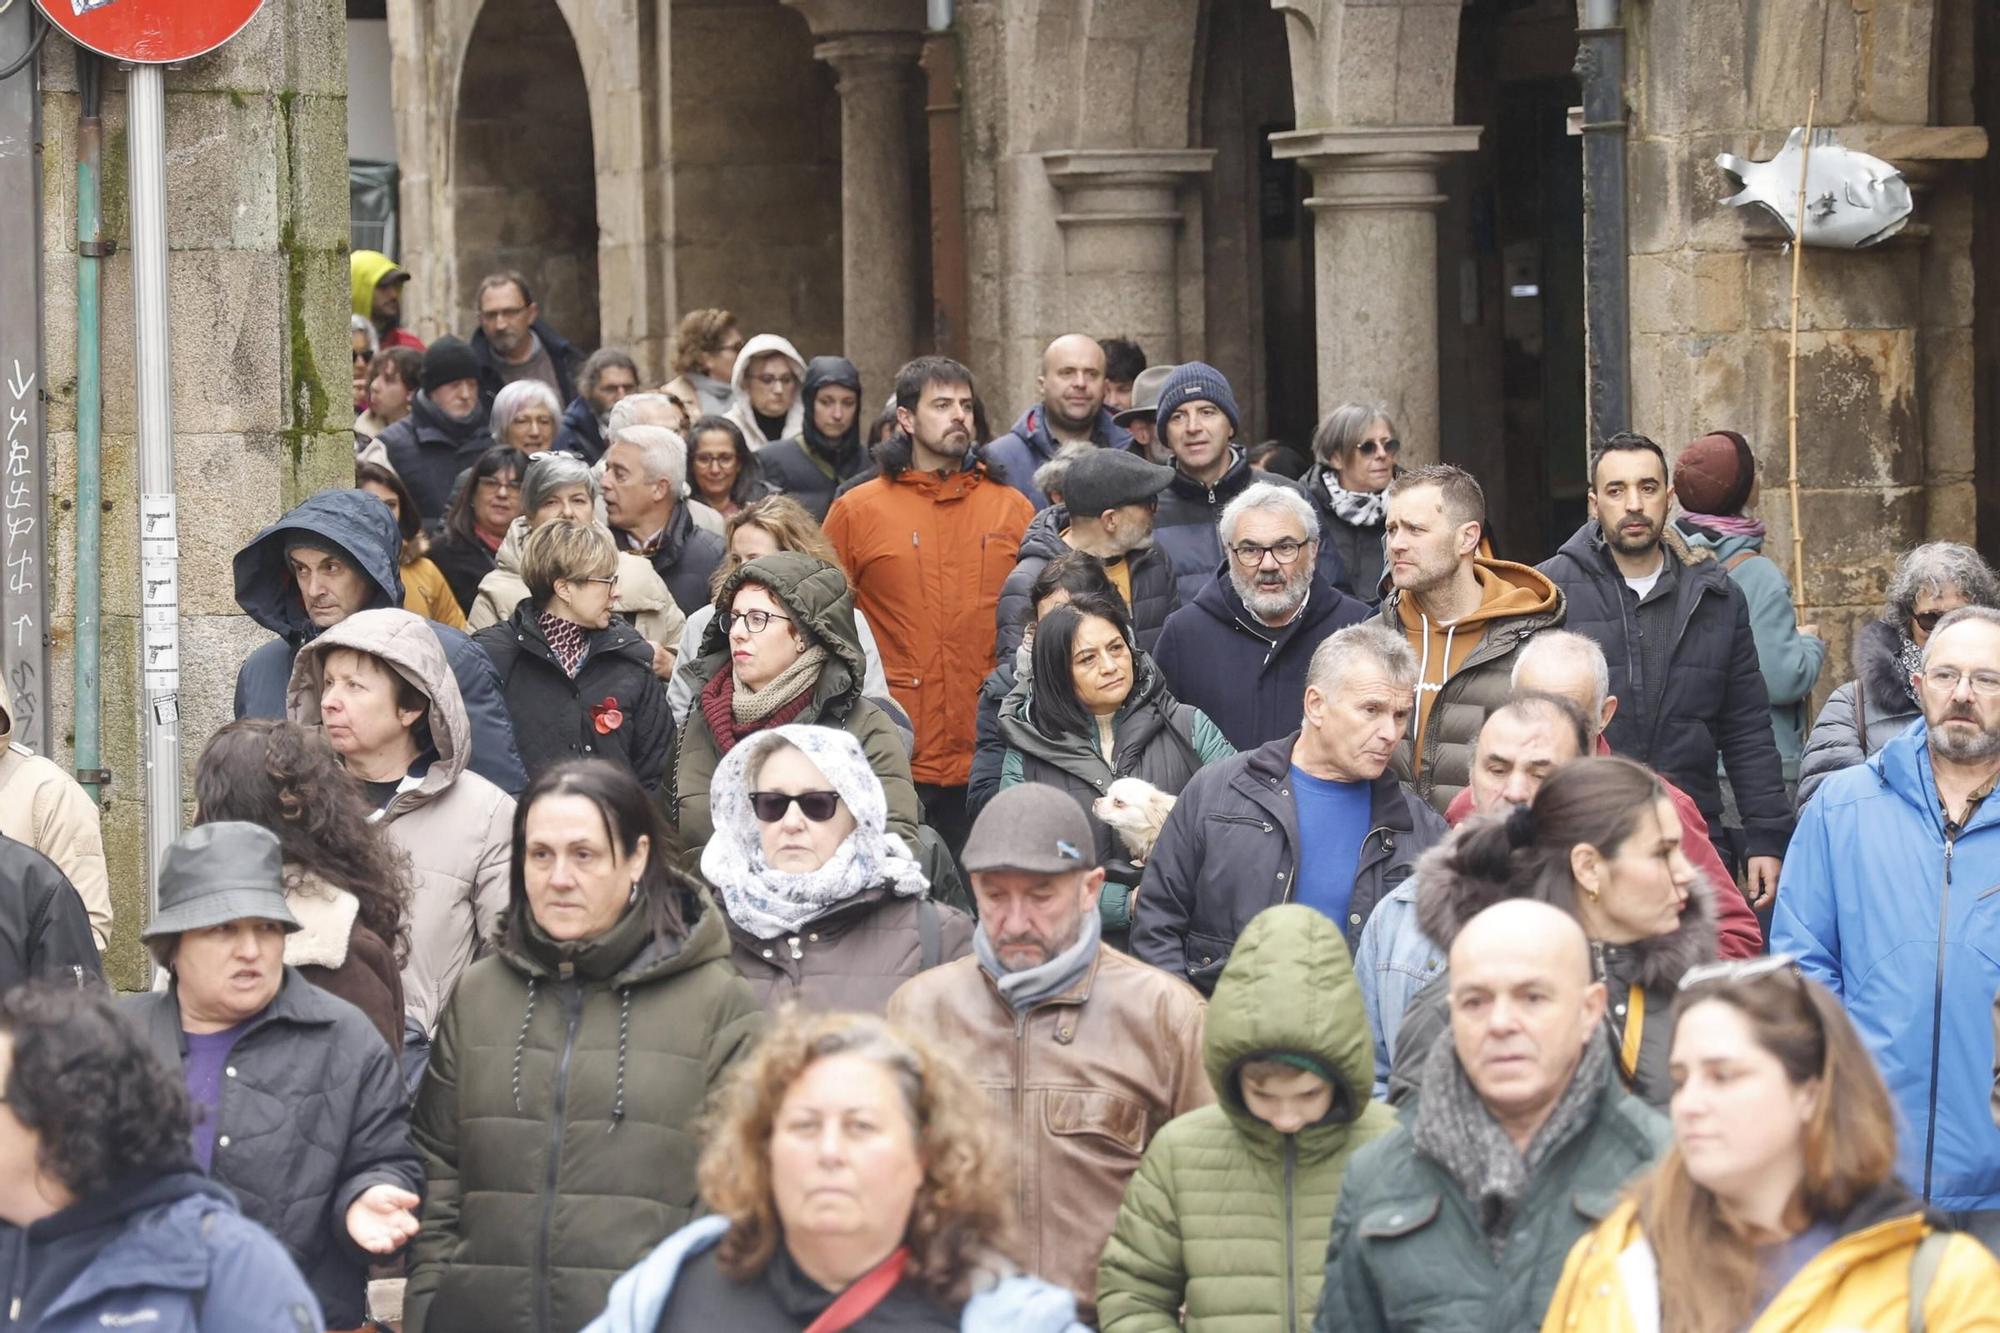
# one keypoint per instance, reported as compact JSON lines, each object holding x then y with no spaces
{"x":486,"y":503}
{"x":110,"y":1225}
{"x":1096,"y":709}
{"x":1354,"y":460}
{"x":425,"y":588}
{"x":345,"y":881}
{"x":856,"y":1181}
{"x":555,"y":1118}
{"x":1602,"y":842}
{"x":1066,"y":576}
{"x":1777,"y":1209}
{"x":724,"y":473}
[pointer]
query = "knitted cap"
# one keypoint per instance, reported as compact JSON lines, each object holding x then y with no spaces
{"x":1197,"y":380}
{"x":1714,"y":474}
{"x":447,"y":361}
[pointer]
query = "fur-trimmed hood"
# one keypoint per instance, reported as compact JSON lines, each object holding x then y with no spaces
{"x":1878,"y":666}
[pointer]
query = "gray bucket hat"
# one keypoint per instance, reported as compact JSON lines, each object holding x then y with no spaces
{"x":218,"y":873}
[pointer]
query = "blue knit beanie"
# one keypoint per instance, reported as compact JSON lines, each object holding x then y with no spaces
{"x":1197,"y":380}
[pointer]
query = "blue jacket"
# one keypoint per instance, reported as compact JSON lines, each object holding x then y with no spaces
{"x":1900,"y":917}
{"x":639,"y":1298}
{"x":1394,"y":960}
{"x":360,"y":525}
{"x":1029,"y":445}
{"x":1250,"y":681}
{"x":169,"y":1255}
{"x":580,"y":434}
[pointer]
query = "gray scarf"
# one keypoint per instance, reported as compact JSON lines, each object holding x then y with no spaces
{"x":1454,"y":1129}
{"x":1025,"y":989}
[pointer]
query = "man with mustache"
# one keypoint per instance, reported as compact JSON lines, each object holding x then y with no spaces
{"x":928,"y":542}
{"x":1089,"y":1052}
{"x":1888,"y":898}
{"x":1315,"y":817}
{"x":1675,"y":629}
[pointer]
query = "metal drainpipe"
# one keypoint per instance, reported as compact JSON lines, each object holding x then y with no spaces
{"x":91,"y":249}
{"x":1600,"y":67}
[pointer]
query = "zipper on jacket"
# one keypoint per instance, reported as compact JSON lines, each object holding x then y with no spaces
{"x":544,"y":1241}
{"x":1937,"y":1007}
{"x":1291,"y":1258}
{"x":1021,"y":1112}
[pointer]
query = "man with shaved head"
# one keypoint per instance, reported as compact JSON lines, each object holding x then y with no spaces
{"x":1071,"y":410}
{"x":1518,"y":1145}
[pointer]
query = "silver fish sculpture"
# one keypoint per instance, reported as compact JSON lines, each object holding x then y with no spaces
{"x":1852,"y":199}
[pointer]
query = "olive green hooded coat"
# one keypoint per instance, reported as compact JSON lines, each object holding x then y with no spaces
{"x":1226,"y":1215}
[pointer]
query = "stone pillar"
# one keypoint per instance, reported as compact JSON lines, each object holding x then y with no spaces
{"x":1374,"y":201}
{"x":1121,"y":217}
{"x":878,"y":251}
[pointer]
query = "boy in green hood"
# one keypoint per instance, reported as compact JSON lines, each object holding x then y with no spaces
{"x":1229,"y":1213}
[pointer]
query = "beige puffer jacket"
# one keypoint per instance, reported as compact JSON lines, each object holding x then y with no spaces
{"x":641,"y":596}
{"x":455,"y":826}
{"x":42,"y":806}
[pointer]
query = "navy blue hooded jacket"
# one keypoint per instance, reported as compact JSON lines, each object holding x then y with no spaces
{"x":809,"y":467}
{"x":360,"y":526}
{"x":1248,"y":678}
{"x":580,"y":434}
{"x":1029,"y":445}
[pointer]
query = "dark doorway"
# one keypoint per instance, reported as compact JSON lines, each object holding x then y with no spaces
{"x":525,"y":173}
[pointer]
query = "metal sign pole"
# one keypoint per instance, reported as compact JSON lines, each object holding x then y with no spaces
{"x":159,"y":546}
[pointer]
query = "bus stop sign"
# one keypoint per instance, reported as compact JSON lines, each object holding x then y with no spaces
{"x":150,"y":32}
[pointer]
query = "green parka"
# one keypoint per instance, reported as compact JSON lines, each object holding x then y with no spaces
{"x":817,"y":594}
{"x":557,"y":1119}
{"x":1226,"y":1216}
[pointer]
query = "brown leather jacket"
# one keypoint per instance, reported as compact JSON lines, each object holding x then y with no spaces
{"x":1084,"y":1081}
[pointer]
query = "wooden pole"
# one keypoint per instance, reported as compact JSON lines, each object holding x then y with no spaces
{"x":1792,"y":423}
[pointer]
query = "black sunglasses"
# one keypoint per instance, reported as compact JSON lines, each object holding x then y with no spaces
{"x":1927,"y":620}
{"x":817,"y":806}
{"x":1369,"y":448}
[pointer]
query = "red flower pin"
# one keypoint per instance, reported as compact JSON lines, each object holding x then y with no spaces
{"x":606,"y":716}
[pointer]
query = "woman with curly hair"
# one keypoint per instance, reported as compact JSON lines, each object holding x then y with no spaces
{"x":853,"y":1173}
{"x":113,"y":1226}
{"x":344,"y":880}
{"x":705,"y":348}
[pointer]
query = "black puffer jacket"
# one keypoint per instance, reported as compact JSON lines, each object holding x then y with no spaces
{"x":44,"y":931}
{"x":809,"y":467}
{"x":314,"y":1113}
{"x":429,"y":449}
{"x":1230,"y":850}
{"x":1359,"y":548}
{"x":1154,"y":595}
{"x":1184,"y":528}
{"x":1654,"y":966}
{"x":1713,"y":701}
{"x":1863,"y":715}
{"x":558,"y":719}
{"x":685,"y":559}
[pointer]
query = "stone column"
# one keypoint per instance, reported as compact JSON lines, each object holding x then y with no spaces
{"x":879,"y":253}
{"x":1121,"y":218}
{"x":1374,"y":201}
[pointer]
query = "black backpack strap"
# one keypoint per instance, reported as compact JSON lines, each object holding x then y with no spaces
{"x":1923,"y":1271}
{"x":931,"y":943}
{"x":1861,"y":713}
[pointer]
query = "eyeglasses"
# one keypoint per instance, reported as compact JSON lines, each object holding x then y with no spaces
{"x":608,"y":580}
{"x":499,"y":485}
{"x":714,"y":462}
{"x":731,"y":348}
{"x":776,"y":381}
{"x":1369,"y":448}
{"x":755,"y":621}
{"x":1741,"y":969}
{"x":1250,"y":554}
{"x":1945,"y":680}
{"x":817,"y":806}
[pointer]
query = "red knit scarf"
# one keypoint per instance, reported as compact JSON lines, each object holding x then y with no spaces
{"x":715,"y":706}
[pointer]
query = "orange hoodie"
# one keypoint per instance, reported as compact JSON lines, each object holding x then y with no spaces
{"x":1506,"y":590}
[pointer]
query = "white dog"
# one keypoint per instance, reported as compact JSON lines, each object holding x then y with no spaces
{"x":1136,"y":811}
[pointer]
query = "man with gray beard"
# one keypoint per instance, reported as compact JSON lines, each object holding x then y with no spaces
{"x":1886,"y":896}
{"x":1239,"y":652}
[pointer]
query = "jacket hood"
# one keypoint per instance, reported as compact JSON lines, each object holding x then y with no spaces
{"x":1219,"y":601}
{"x":820,"y":372}
{"x":1044,"y":535}
{"x":365,"y":268}
{"x":762,"y":345}
{"x":1446,"y":901}
{"x":627,"y":955}
{"x":128,"y":1198}
{"x":1239,"y":476}
{"x":406,"y":642}
{"x":1904,"y":767}
{"x":1878,"y":665}
{"x":353,"y":522}
{"x":1289,"y":989}
{"x":1587,"y":547}
{"x":1149,"y":685}
{"x":818,"y":594}
{"x":1506,"y":590}
{"x":1723,"y":546}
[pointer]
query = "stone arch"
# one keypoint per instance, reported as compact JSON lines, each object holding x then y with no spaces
{"x":524,"y":164}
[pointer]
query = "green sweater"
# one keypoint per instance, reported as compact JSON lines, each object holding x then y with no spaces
{"x":1226,"y":1216}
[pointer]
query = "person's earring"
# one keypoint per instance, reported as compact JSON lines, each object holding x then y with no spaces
{"x":635,"y":892}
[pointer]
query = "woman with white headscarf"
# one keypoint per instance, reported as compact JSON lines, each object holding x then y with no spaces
{"x":825,"y":906}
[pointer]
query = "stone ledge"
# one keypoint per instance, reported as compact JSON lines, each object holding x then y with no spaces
{"x":1368,"y":140}
{"x":1070,"y":168}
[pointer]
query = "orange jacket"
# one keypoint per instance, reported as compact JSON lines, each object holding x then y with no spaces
{"x":927,"y":553}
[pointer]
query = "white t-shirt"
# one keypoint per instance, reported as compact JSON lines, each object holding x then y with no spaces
{"x":1644,"y":585}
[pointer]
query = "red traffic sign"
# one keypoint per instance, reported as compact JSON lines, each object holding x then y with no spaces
{"x":150,"y":32}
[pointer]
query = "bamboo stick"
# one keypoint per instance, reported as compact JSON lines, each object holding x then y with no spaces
{"x":1792,"y":423}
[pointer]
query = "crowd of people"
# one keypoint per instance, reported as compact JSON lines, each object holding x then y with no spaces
{"x":812,"y":868}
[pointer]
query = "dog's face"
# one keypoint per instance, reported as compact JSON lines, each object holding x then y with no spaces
{"x":1132,"y":805}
